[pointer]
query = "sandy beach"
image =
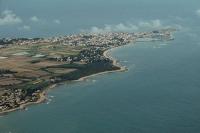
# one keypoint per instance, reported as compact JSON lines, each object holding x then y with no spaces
{"x":115,"y":63}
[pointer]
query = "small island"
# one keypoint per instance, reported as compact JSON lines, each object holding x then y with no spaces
{"x":29,"y":66}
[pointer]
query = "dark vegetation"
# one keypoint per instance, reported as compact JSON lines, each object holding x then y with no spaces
{"x":82,"y":70}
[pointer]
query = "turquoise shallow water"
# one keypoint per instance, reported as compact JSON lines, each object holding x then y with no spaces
{"x":159,"y":93}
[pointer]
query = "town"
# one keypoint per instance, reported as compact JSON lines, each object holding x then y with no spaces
{"x":30,"y":65}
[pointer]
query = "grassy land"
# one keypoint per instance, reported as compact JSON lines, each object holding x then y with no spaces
{"x":30,"y":67}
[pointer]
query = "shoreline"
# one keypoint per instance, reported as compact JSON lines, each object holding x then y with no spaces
{"x":42,"y":98}
{"x":115,"y":63}
{"x":43,"y":94}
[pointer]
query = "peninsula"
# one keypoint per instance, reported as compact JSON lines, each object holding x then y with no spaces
{"x":28,"y":66}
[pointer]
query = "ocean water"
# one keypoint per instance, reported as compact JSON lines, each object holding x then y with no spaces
{"x":158,"y":94}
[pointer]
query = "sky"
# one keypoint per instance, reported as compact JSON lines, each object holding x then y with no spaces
{"x":36,"y":18}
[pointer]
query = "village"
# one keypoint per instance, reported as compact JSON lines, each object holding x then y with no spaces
{"x":95,"y":42}
{"x":85,"y":57}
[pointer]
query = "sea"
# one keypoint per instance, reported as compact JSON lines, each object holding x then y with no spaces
{"x":160,"y":92}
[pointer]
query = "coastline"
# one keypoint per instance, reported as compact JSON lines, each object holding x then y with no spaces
{"x":43,"y":94}
{"x":42,"y":98}
{"x":115,"y":63}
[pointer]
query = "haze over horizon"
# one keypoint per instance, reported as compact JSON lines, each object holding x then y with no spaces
{"x":159,"y":93}
{"x":41,"y":18}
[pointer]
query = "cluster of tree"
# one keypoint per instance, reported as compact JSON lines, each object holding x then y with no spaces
{"x":6,"y":71}
{"x":87,"y":69}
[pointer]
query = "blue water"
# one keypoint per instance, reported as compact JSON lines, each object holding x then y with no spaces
{"x":159,"y":93}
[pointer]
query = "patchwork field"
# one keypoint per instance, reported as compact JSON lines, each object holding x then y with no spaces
{"x":22,"y":64}
{"x":27,"y":70}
